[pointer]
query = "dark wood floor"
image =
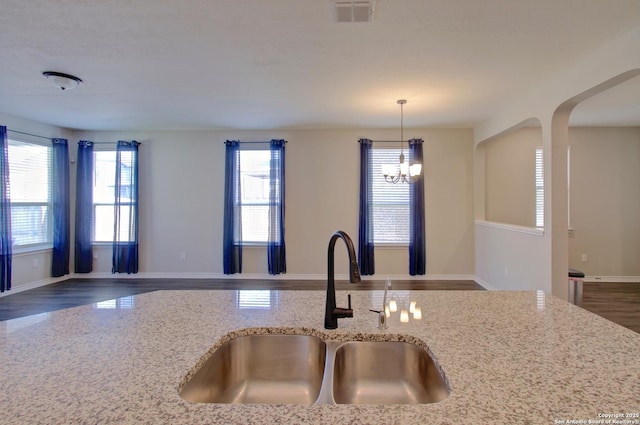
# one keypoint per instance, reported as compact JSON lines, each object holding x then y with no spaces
{"x":75,"y":292}
{"x":618,"y":302}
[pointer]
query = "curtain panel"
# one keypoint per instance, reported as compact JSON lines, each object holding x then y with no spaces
{"x":276,"y":251}
{"x":126,"y":215}
{"x":365,"y":222}
{"x":232,"y":233}
{"x":417,"y":250}
{"x":83,"y":254}
{"x":61,"y":213}
{"x":6,"y":244}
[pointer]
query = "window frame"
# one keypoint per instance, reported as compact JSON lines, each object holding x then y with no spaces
{"x":95,"y":205}
{"x":244,"y":241}
{"x":376,"y":174}
{"x":539,"y":187}
{"x":48,"y":244}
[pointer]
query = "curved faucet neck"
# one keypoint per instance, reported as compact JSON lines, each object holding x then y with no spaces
{"x":332,"y":312}
{"x":354,"y":273}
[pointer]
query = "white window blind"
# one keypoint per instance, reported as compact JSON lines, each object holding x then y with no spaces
{"x":539,"y":187}
{"x":256,"y":299}
{"x":390,"y":201}
{"x":30,"y":193}
{"x":254,"y":190}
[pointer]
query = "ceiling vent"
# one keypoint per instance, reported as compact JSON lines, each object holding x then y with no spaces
{"x":353,"y":11}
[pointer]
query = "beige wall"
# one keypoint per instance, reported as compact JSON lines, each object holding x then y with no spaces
{"x":510,"y":195}
{"x":604,"y":195}
{"x":182,"y":183}
{"x":605,"y":200}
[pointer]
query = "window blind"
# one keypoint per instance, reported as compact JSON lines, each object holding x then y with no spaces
{"x":390,"y":201}
{"x":539,"y":187}
{"x":30,"y":193}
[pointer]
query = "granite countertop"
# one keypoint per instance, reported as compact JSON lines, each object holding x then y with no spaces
{"x":510,"y":358}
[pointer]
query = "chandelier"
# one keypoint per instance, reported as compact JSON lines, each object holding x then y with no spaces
{"x":402,"y":171}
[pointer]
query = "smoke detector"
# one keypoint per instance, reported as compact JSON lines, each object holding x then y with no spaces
{"x":353,"y":11}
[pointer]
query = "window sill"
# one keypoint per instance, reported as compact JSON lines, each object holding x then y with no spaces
{"x":38,"y":249}
{"x":254,"y":244}
{"x":391,"y":245}
{"x":101,"y":244}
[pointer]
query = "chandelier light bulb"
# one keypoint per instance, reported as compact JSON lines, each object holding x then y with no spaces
{"x":412,"y":306}
{"x":404,"y":316}
{"x":393,"y":306}
{"x":417,"y":313}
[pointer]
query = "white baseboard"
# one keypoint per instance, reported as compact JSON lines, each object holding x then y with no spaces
{"x":485,"y":285}
{"x":612,"y":279}
{"x":32,"y":285}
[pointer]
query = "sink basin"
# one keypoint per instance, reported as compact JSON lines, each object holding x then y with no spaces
{"x":261,"y":369}
{"x":276,"y":368}
{"x":385,"y":372}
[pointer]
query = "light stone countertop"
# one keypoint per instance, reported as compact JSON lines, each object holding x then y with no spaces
{"x":510,"y":358}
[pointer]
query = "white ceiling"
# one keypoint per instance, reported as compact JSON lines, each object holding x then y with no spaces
{"x":260,"y":64}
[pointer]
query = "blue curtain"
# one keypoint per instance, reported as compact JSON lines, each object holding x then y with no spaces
{"x":365,"y":223}
{"x":83,"y":254}
{"x":232,"y":234}
{"x":61,"y":242}
{"x":5,"y":214}
{"x":276,"y":252}
{"x":125,"y":229}
{"x":417,"y":250}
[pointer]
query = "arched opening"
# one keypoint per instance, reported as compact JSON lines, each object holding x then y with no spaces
{"x":591,"y":187}
{"x":604,"y":170}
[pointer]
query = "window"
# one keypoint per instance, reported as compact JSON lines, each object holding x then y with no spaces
{"x":569,"y":188}
{"x":390,"y":201}
{"x":257,"y":299}
{"x":539,"y":187}
{"x":30,"y":192}
{"x":104,"y":179}
{"x":254,"y":190}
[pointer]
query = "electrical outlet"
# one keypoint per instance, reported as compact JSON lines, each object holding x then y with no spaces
{"x":183,"y":255}
{"x":35,"y":263}
{"x":584,"y":258}
{"x":506,"y":271}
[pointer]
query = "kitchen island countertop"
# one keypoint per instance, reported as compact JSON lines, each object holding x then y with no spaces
{"x":509,"y":357}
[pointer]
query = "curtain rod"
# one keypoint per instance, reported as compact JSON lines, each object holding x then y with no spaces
{"x":104,"y":143}
{"x":30,"y":134}
{"x":261,"y":141}
{"x":49,"y":138}
{"x":391,"y":141}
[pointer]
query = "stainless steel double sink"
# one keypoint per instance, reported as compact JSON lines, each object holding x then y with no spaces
{"x":306,"y":369}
